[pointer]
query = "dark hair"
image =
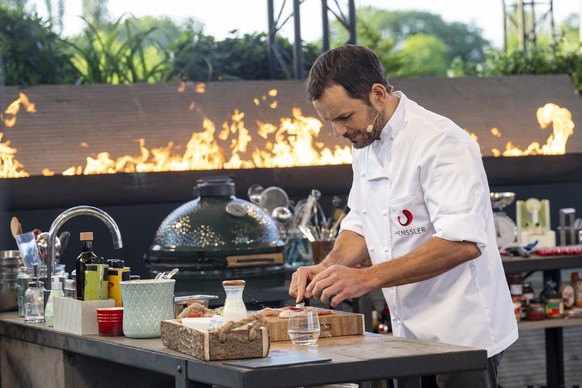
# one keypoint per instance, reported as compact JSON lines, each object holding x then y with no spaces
{"x":355,"y":68}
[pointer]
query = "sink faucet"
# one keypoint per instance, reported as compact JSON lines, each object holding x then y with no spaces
{"x":67,"y":215}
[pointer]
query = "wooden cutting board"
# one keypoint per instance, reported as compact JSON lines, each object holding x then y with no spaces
{"x":334,"y":325}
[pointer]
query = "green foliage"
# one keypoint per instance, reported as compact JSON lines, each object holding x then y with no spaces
{"x":107,"y":56}
{"x":398,"y":38}
{"x":371,"y":37}
{"x":198,"y":57}
{"x":164,"y":31}
{"x":32,"y":53}
{"x":424,"y":55}
{"x":462,"y":40}
{"x":549,"y":61}
{"x":563,"y":57}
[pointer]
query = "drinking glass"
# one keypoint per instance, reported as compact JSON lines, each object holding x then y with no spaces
{"x":303,"y":326}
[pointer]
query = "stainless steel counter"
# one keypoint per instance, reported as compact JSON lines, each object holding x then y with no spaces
{"x":73,"y":360}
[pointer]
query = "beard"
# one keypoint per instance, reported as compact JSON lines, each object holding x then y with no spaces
{"x":377,"y":126}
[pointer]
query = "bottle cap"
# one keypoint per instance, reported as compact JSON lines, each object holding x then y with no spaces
{"x":56,"y":283}
{"x":86,"y":236}
{"x":115,"y":263}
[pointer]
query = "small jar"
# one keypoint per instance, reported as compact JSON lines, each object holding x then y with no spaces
{"x":555,"y":307}
{"x":34,"y":302}
{"x":568,"y":295}
{"x":536,"y":310}
{"x":25,"y":276}
{"x":234,"y":306}
{"x":514,"y":281}
{"x":553,"y":300}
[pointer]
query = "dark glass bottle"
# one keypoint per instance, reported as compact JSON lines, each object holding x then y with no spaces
{"x":86,"y":257}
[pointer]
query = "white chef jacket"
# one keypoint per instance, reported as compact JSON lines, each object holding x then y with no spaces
{"x":425,"y":178}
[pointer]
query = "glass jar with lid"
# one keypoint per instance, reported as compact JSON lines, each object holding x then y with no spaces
{"x":536,"y":310}
{"x":234,"y":306}
{"x":34,"y":302}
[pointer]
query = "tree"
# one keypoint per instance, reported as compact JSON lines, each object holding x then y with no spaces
{"x":387,"y":33}
{"x":32,"y":53}
{"x":462,"y":40}
{"x":424,"y":55}
{"x":201,"y":58}
{"x":568,"y":34}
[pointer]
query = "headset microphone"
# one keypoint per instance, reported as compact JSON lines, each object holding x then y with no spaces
{"x":371,"y":126}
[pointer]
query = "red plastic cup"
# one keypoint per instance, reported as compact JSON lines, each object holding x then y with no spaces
{"x":110,"y":321}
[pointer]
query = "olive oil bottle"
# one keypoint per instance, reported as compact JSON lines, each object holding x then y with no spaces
{"x":87,"y":256}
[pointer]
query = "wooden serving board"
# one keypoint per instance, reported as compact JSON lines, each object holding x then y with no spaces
{"x":333,"y":325}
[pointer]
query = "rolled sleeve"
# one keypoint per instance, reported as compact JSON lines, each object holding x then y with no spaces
{"x":462,"y":227}
{"x":456,"y":191}
{"x":352,"y":223}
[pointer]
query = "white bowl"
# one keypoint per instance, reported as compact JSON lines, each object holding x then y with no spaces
{"x":202,"y":324}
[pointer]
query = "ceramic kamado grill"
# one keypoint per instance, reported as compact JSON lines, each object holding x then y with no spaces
{"x":216,"y":237}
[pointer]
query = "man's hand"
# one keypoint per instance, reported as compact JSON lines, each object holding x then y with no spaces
{"x":338,"y":283}
{"x":300,"y":279}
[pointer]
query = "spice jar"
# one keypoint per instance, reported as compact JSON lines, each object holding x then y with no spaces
{"x":536,"y":310}
{"x":553,"y":300}
{"x":568,"y":295}
{"x":514,"y":281}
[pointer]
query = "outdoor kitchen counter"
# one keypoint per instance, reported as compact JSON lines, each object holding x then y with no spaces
{"x":34,"y":355}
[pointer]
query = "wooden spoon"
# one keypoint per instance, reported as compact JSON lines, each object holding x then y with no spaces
{"x":15,"y":227}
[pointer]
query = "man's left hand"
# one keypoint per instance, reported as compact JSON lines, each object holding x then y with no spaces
{"x":338,"y":283}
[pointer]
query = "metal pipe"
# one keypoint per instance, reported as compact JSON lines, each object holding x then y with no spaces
{"x":272,"y":32}
{"x":297,"y":44}
{"x":325,"y":23}
{"x":67,"y":215}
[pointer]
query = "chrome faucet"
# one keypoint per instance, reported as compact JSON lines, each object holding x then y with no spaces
{"x":67,"y":215}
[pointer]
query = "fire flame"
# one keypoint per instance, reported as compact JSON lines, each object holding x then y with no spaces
{"x":290,"y":143}
{"x":9,"y":115}
{"x":562,"y":129}
{"x":293,"y":145}
{"x":9,"y":166}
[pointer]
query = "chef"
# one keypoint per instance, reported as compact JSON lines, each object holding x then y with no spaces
{"x":419,"y":208}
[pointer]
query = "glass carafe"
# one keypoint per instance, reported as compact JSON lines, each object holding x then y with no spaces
{"x":234,"y":306}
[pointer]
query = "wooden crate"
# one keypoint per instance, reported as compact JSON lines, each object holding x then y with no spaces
{"x":205,"y":345}
{"x":334,"y":325}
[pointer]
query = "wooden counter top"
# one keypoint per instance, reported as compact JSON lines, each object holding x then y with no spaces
{"x":353,"y":358}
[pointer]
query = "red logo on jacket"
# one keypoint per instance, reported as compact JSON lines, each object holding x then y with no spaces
{"x":405,"y":221}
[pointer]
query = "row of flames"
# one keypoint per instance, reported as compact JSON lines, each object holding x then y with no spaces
{"x":294,"y":143}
